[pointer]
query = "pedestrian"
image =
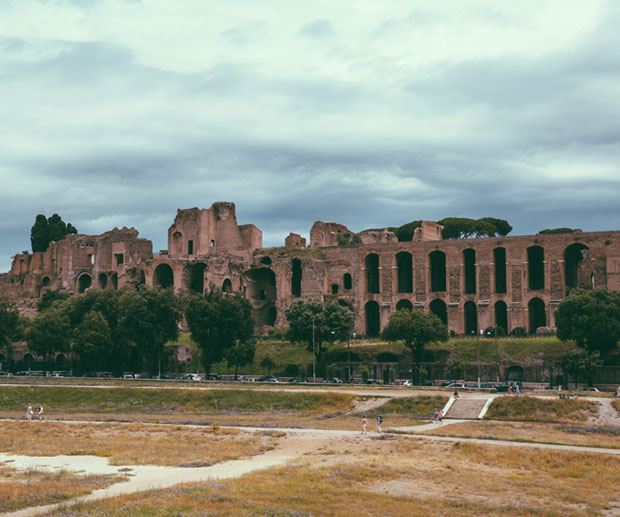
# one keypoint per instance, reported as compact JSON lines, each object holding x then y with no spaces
{"x":456,"y":395}
{"x":436,"y":417}
{"x":379,"y":422}
{"x":40,"y":412}
{"x":517,"y":390}
{"x":29,"y":412}
{"x":364,"y":424}
{"x":618,"y":392}
{"x":440,"y":417}
{"x":509,"y":389}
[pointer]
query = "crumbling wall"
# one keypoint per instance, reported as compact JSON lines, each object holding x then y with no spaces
{"x":325,"y":234}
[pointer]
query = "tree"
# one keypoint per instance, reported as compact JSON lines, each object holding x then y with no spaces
{"x":9,"y":327}
{"x":268,"y":363}
{"x":415,"y":329}
{"x":502,"y":227}
{"x":151,"y":318}
{"x":580,"y":363}
{"x":319,"y":323}
{"x":49,"y":334}
{"x":591,"y":318}
{"x":217,"y":321}
{"x":50,"y":297}
{"x":240,"y":354}
{"x":553,"y":231}
{"x":92,"y":341}
{"x":45,"y":230}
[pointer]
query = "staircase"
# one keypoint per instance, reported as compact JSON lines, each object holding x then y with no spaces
{"x":466,"y":408}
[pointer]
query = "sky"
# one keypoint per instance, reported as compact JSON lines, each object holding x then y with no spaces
{"x":372,"y":114}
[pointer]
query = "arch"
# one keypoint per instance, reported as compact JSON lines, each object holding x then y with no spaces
{"x":372,"y":273}
{"x":515,"y":373}
{"x":60,"y":361}
{"x":296,"y":278}
{"x":469,"y":266}
{"x":471,"y":318}
{"x":84,"y":282}
{"x":141,"y":277}
{"x":114,"y":280}
{"x":499,"y":259}
{"x":404,"y":263}
{"x":387,"y":357}
{"x":373,"y":320}
{"x":335,"y":288}
{"x":537,"y":314}
{"x":266,"y":261}
{"x":573,"y":258}
{"x":437,"y":261}
{"x":536,"y":267}
{"x":103,"y":280}
{"x":45,"y":281}
{"x":501,"y":315}
{"x":261,"y":291}
{"x":404,"y":304}
{"x":347,"y":281}
{"x":439,"y":309}
{"x":163,"y":276}
{"x":197,"y":277}
{"x":227,"y":286}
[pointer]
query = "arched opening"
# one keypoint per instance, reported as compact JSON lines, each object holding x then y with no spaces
{"x":296,"y":278}
{"x":515,"y":373}
{"x":197,"y":278}
{"x":28,"y":362}
{"x":84,"y":282}
{"x":163,"y":276}
{"x":404,"y":264}
{"x":227,"y":286}
{"x":334,"y":288}
{"x":439,"y":309}
{"x":499,"y":259}
{"x":373,"y":320}
{"x":469,"y":264}
{"x":537,"y":314}
{"x":372,"y":273}
{"x":501,"y":315}
{"x":404,"y":304}
{"x":45,"y":282}
{"x":114,"y":280}
{"x":438,"y":270}
{"x":60,"y":362}
{"x":536,"y":267}
{"x":471,"y":318}
{"x":346,"y":281}
{"x":573,"y":260}
{"x":266,"y":261}
{"x":103,"y":280}
{"x":261,"y":291}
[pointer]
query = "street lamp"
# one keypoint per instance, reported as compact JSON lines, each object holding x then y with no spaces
{"x":478,"y":349}
{"x":348,"y":351}
{"x":496,"y":351}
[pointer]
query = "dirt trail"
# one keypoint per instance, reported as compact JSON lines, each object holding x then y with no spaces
{"x":607,"y":414}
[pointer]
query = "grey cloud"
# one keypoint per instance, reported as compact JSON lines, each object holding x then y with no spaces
{"x":318,"y":29}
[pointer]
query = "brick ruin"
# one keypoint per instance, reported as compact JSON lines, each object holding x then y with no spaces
{"x":469,"y":283}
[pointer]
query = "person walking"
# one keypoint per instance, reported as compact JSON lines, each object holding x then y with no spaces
{"x":379,"y":422}
{"x":40,"y":412}
{"x":436,"y":417}
{"x":29,"y":412}
{"x":440,"y":417}
{"x":364,"y":424}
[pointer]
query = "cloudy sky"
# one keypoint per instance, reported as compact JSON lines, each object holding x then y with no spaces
{"x":371,"y":114}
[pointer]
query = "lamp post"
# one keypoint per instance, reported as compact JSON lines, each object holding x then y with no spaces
{"x":496,"y":352}
{"x":313,"y":356}
{"x":478,"y":352}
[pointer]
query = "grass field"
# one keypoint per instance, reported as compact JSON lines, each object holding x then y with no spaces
{"x":563,"y":434}
{"x":395,"y":477}
{"x":534,"y":409}
{"x":24,"y":488}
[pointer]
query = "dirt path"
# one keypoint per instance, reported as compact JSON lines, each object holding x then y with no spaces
{"x":607,"y":414}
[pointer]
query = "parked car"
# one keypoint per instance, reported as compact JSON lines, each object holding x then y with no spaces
{"x":268,"y":378}
{"x":503,"y":386}
{"x":6,"y":374}
{"x":455,"y":385}
{"x":590,"y":388}
{"x":486,"y":385}
{"x":445,"y":384}
{"x":297,"y":379}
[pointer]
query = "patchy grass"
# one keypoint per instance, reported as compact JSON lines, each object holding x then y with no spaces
{"x":131,"y":444}
{"x":396,"y":477}
{"x":562,"y":434}
{"x":535,"y":409}
{"x":616,"y":404}
{"x":166,"y":401}
{"x":415,"y":407}
{"x":24,"y":488}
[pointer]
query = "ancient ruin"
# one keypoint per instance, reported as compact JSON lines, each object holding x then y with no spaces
{"x":470,"y":284}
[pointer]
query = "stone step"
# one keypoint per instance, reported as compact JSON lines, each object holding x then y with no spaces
{"x":466,"y":408}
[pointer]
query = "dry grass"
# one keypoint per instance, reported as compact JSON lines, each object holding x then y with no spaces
{"x":563,"y":434}
{"x":131,"y":444}
{"x":21,"y":489}
{"x":398,"y":476}
{"x":616,"y":405}
{"x":536,"y":409}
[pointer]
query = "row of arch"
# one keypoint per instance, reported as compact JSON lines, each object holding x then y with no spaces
{"x":536,"y":310}
{"x":573,"y":258}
